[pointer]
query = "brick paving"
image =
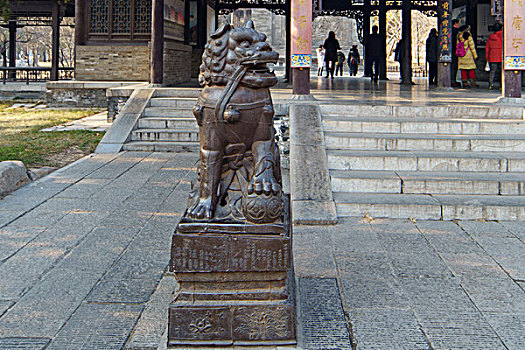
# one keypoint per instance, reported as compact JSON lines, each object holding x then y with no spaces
{"x":84,"y":252}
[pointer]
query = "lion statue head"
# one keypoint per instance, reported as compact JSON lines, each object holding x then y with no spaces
{"x":230,"y":50}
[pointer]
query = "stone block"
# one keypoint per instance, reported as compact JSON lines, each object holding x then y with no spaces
{"x":13,"y":174}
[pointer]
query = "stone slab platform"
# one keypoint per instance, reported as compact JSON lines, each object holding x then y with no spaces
{"x":84,"y":254}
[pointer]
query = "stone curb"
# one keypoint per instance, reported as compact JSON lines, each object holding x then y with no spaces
{"x":126,"y":122}
{"x":311,"y":193}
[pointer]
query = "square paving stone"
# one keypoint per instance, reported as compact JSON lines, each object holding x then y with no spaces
{"x":367,"y":293}
{"x":84,"y":188}
{"x":133,"y":278}
{"x":404,"y":243}
{"x":312,"y":251}
{"x":19,"y":343}
{"x":364,"y":265}
{"x":127,"y":218}
{"x":97,"y":327}
{"x":509,"y":327}
{"x":473,"y":265}
{"x":515,"y":228}
{"x":417,"y":264}
{"x":384,"y":226}
{"x":447,"y":237}
{"x":38,"y":218}
{"x":153,"y":321}
{"x":13,"y":239}
{"x":322,"y":320}
{"x":495,"y":295}
{"x":4,"y":305}
{"x":7,"y":216}
{"x":386,"y":329}
{"x":485,"y":229}
{"x":351,"y":235}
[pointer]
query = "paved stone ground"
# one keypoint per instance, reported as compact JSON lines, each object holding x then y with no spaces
{"x":425,"y":284}
{"x":84,"y":251}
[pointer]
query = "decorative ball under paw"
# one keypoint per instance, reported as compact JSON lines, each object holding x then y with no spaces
{"x":262,"y":209}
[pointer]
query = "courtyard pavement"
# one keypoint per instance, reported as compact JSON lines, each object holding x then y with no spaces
{"x":84,"y":254}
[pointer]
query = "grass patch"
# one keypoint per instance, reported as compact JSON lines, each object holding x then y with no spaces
{"x":21,"y":139}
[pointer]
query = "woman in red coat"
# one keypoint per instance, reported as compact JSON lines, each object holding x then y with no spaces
{"x":493,"y":53}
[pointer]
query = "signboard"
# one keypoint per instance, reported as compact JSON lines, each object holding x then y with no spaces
{"x":514,"y":34}
{"x":301,"y":50}
{"x":445,"y":30}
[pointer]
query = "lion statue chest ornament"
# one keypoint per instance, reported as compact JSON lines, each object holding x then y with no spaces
{"x":238,"y":176}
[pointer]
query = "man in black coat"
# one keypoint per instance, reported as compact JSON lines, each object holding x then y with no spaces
{"x":331,"y":46}
{"x":454,"y":66}
{"x":432,"y":56}
{"x":373,"y":52}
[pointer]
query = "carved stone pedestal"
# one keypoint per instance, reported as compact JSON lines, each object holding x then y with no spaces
{"x":236,"y":287}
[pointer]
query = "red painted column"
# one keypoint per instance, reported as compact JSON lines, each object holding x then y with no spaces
{"x":445,"y":42}
{"x":513,"y":47}
{"x":301,"y":45}
{"x":157,"y":43}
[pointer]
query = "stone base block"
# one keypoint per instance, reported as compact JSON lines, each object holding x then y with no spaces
{"x":225,"y":324}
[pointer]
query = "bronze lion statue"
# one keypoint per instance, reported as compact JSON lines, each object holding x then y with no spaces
{"x":238,"y":174}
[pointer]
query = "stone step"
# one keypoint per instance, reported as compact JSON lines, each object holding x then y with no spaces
{"x":439,"y":112}
{"x":411,"y":182}
{"x":424,"y":142}
{"x":435,"y":207}
{"x":458,"y":126}
{"x":426,"y":161}
{"x":184,"y":135}
{"x":166,"y":112}
{"x":161,"y":146}
{"x":173,"y":102}
{"x":168,"y":123}
{"x":178,"y":92}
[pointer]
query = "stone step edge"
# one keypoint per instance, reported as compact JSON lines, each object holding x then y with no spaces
{"x":162,"y":146}
{"x":427,"y":175}
{"x":425,"y":154}
{"x":372,"y":118}
{"x":423,"y":136}
{"x":433,"y":207}
{"x":164,"y":130}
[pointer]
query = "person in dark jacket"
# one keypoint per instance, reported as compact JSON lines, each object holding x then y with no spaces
{"x":340,"y":63}
{"x":373,"y":52}
{"x":354,"y":59}
{"x":398,"y":57}
{"x":493,"y":53}
{"x":331,"y":45}
{"x":432,"y":56}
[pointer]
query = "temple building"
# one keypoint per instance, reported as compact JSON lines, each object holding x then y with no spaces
{"x":136,"y":40}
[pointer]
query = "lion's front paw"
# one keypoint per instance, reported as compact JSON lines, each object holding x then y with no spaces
{"x":264,"y":182}
{"x":202,"y":210}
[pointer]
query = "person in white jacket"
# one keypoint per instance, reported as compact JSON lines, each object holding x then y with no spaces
{"x":320,"y":60}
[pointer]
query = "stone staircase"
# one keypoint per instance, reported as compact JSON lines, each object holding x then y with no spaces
{"x":428,"y":166}
{"x":167,"y":125}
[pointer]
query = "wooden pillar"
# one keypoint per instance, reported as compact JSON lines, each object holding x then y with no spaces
{"x":157,"y":43}
{"x":80,"y":22}
{"x":202,"y":25}
{"x":12,"y":48}
{"x":382,"y":34}
{"x":55,"y":42}
{"x":513,"y":48}
{"x":445,"y":42}
{"x":406,"y":34}
{"x":301,"y":48}
{"x":366,"y":32}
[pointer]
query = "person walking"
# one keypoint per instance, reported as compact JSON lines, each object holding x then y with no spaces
{"x":354,"y":59}
{"x":432,"y":56}
{"x":373,"y":52}
{"x":493,"y":53}
{"x":466,"y":52}
{"x":454,"y":66}
{"x":331,"y":45}
{"x":398,"y":57}
{"x":320,"y":60}
{"x":340,"y":63}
